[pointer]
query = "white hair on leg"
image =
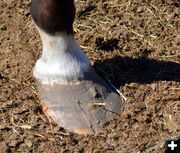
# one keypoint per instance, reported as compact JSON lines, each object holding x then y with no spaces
{"x":61,"y":60}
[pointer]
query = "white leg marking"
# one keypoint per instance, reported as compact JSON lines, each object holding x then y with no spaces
{"x":61,"y":59}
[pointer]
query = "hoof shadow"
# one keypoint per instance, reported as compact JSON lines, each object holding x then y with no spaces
{"x":121,"y":70}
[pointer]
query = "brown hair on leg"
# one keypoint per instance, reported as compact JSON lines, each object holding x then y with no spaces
{"x":53,"y":16}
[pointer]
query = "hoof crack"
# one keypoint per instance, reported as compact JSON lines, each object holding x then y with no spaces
{"x":91,"y":125}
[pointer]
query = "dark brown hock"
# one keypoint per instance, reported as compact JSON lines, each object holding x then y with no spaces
{"x":53,"y":16}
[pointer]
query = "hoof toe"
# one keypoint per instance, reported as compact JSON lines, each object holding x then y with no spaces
{"x":81,"y":108}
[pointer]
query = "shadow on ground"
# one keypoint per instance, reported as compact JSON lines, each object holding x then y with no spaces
{"x":121,"y":70}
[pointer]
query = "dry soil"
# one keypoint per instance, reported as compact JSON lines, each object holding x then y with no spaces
{"x":134,"y":44}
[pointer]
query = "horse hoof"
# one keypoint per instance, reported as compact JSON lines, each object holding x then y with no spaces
{"x":82,"y":107}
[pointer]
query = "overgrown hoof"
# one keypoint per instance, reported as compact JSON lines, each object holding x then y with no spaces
{"x":82,"y":107}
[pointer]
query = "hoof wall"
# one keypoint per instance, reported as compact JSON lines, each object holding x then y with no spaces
{"x":81,"y":108}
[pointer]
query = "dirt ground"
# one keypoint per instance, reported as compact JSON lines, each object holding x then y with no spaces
{"x":133,"y":44}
